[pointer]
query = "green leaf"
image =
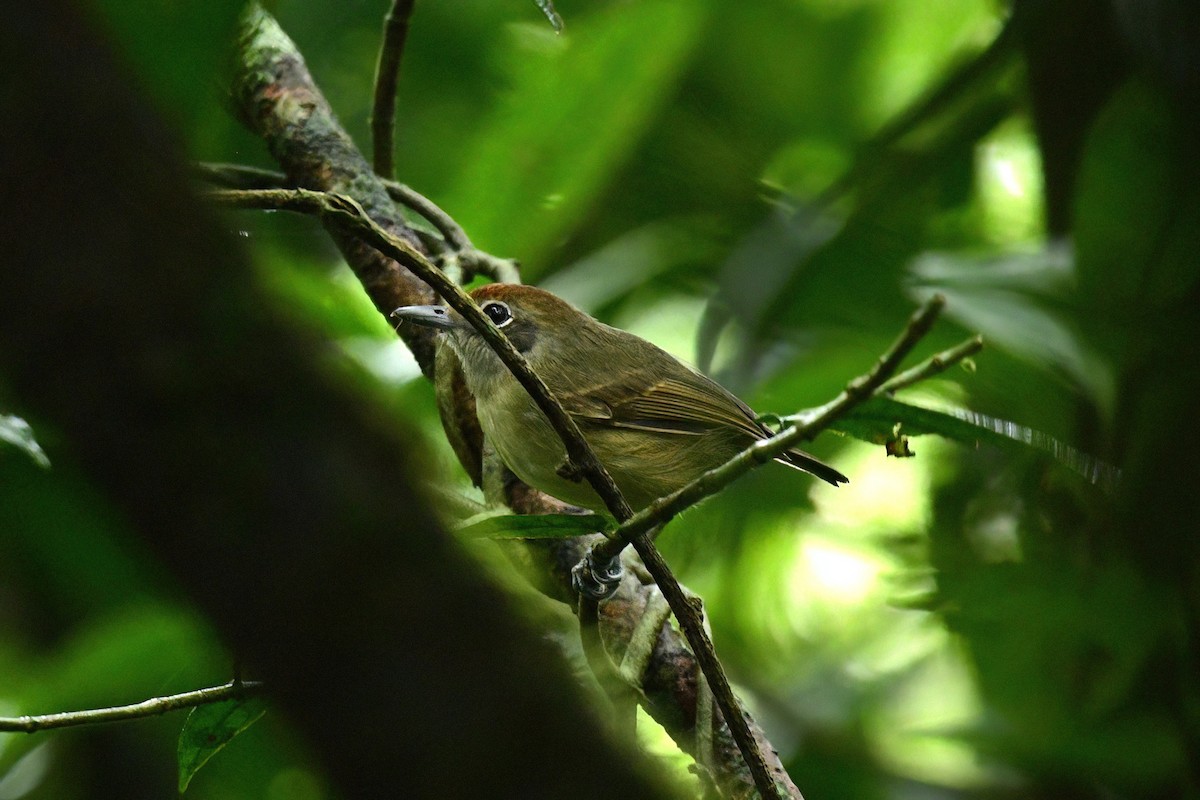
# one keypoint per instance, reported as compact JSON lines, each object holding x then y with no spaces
{"x":574,"y":108}
{"x":1129,"y":191}
{"x":16,"y":431}
{"x":208,"y":728}
{"x":876,"y":421}
{"x":177,"y":49}
{"x":532,"y":526}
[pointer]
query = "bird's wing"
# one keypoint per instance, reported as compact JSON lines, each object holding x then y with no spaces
{"x":691,"y":406}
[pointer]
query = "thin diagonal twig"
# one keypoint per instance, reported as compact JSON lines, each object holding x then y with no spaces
{"x":932,"y":366}
{"x":387,"y":75}
{"x":502,"y":270}
{"x":344,"y":213}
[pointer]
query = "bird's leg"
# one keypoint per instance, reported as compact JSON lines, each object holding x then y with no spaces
{"x":569,"y":470}
{"x":597,"y":581}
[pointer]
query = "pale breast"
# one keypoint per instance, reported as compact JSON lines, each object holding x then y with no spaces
{"x":645,"y":464}
{"x":526,"y":442}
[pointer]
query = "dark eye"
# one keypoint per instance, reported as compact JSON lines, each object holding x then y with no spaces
{"x":498,"y":313}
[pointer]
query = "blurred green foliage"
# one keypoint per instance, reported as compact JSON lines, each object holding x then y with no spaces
{"x":765,"y":188}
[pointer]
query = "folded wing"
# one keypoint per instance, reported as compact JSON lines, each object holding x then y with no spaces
{"x":690,"y":407}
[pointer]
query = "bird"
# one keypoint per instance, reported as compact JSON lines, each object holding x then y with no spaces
{"x":653,"y":421}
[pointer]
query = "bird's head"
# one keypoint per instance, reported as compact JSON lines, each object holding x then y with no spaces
{"x":533,"y":320}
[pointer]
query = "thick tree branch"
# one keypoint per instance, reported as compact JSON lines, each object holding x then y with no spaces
{"x":274,"y":95}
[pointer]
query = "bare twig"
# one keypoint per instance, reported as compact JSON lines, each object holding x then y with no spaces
{"x":345,"y":214}
{"x":502,"y":270}
{"x":932,"y":366}
{"x":761,"y":452}
{"x":387,"y":74}
{"x":234,"y":690}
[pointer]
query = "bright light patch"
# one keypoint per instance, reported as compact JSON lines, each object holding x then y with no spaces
{"x":388,"y":360}
{"x":836,"y":572}
{"x":669,"y":323}
{"x":915,"y":731}
{"x":1009,"y":179}
{"x":658,"y":745}
{"x":1007,"y":173}
{"x":883,"y":491}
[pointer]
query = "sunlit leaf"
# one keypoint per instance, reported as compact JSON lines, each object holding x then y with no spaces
{"x":534,"y":146}
{"x":547,"y":7}
{"x":1017,"y":302}
{"x":881,"y":419}
{"x":18,"y":433}
{"x":209,"y":728}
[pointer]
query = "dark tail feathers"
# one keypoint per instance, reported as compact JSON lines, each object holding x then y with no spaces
{"x":806,"y":463}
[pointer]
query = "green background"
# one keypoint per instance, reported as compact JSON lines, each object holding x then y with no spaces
{"x":766,"y":189}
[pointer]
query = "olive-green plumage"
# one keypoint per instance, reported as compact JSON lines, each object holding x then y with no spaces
{"x":655,"y":423}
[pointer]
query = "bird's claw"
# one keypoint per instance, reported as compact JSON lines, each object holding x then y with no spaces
{"x":596,"y":581}
{"x":569,"y":470}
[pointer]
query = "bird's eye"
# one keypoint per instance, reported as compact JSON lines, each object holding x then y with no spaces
{"x":498,"y":313}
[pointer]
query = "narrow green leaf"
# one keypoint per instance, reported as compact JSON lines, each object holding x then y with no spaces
{"x":209,"y":728}
{"x":573,"y":108}
{"x":1019,"y":302}
{"x":16,"y":431}
{"x":876,"y":420}
{"x":532,"y":526}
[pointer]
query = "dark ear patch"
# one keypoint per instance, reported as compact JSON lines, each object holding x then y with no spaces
{"x":521,"y":334}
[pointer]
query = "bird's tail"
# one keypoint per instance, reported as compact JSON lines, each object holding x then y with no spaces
{"x":803,"y":461}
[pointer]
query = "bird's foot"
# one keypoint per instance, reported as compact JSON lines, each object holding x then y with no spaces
{"x":597,"y":581}
{"x":569,"y":470}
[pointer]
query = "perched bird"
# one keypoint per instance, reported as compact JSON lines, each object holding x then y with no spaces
{"x":655,"y":423}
